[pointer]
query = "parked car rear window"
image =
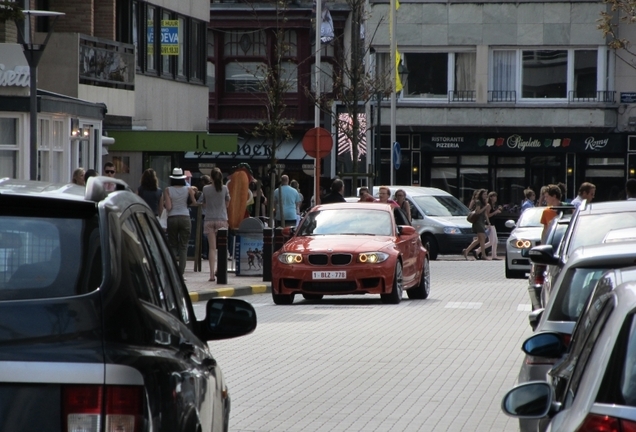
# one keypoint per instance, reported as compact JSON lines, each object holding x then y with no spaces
{"x":574,"y":292}
{"x":592,"y":228}
{"x":441,"y":205}
{"x":42,"y":257}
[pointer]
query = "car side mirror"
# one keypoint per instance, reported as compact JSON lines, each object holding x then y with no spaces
{"x":406,"y":230}
{"x":510,"y":224}
{"x":531,"y":400}
{"x":534,"y":317}
{"x":544,"y":344}
{"x":227,"y":318}
{"x":543,"y":254}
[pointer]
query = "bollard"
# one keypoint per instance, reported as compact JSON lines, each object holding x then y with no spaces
{"x":267,"y":254}
{"x":221,"y":256}
{"x":279,"y":240}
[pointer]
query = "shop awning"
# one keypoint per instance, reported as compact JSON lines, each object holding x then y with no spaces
{"x":172,"y":141}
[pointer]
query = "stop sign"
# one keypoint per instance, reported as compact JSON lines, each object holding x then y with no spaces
{"x":317,"y":142}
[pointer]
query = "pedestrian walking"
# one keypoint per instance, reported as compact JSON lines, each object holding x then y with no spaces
{"x":365,"y":195}
{"x":149,"y":190}
{"x":216,"y":200}
{"x":295,"y":185}
{"x":205,"y":246}
{"x":528,"y":202}
{"x":109,"y":171}
{"x":335,"y":196}
{"x":479,"y":205}
{"x":491,"y":230}
{"x":78,"y":177}
{"x":88,"y":174}
{"x":552,"y":198}
{"x":587,"y":191}
{"x":384,"y":196}
{"x":175,"y":201}
{"x":400,"y":199}
{"x":286,"y":201}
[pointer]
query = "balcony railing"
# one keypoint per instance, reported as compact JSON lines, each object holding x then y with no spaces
{"x":599,"y":96}
{"x":462,"y":96}
{"x":502,"y":96}
{"x":106,"y":63}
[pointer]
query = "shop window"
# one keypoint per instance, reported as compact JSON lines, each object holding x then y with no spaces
{"x":444,"y":160}
{"x":619,"y":161}
{"x":8,"y":147}
{"x":510,"y":160}
{"x":445,"y":178}
{"x":510,"y":187}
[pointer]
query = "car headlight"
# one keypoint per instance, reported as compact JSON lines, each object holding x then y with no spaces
{"x":521,"y":243}
{"x":452,"y":230}
{"x":290,"y":258}
{"x":372,"y":257}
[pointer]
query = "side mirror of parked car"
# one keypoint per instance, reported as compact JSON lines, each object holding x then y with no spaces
{"x":406,"y":230}
{"x":531,"y":400}
{"x":227,"y":318}
{"x":534,"y":317}
{"x":510,"y":224}
{"x":543,"y":254}
{"x":545,"y":344}
{"x":288,"y":231}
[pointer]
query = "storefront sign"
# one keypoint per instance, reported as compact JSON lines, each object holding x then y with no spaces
{"x":525,"y":143}
{"x":19,"y":76}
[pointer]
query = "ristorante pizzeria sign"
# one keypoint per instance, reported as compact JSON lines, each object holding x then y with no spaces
{"x":525,"y":143}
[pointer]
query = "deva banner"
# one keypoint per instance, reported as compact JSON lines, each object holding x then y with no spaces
{"x":169,"y":37}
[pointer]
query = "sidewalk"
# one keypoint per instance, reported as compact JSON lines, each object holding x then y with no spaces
{"x":201,"y":289}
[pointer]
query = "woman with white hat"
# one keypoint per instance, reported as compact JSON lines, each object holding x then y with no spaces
{"x":175,"y":201}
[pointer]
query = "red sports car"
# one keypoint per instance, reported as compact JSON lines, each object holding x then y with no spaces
{"x":351,"y":248}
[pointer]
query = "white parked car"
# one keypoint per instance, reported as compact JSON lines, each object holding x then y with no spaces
{"x":525,"y":234}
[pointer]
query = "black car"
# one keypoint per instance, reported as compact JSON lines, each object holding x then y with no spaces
{"x":97,"y":331}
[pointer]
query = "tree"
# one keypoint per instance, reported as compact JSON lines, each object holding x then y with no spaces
{"x":10,"y":11}
{"x":620,"y":12}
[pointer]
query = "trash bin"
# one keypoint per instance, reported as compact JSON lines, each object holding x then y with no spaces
{"x":248,"y":248}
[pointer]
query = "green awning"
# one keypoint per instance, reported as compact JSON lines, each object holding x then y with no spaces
{"x":172,"y":141}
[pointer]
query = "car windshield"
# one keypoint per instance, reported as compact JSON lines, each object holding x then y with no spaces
{"x":574,"y":292}
{"x":592,"y":228}
{"x":347,"y":221}
{"x":441,"y":205}
{"x":531,"y":217}
{"x":42,"y":257}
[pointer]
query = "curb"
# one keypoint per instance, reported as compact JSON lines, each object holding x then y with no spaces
{"x":197,"y":296}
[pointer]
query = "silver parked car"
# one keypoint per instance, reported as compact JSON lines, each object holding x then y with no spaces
{"x":594,"y":386}
{"x":571,"y":291}
{"x":525,"y":234}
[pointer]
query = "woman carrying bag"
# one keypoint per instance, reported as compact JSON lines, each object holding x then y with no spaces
{"x":480,"y":206}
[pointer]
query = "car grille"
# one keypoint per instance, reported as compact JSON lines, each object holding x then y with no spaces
{"x":467,"y":230}
{"x":323,"y":287}
{"x":336,"y":259}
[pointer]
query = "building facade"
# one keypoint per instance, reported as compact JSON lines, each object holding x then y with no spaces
{"x":505,"y":96}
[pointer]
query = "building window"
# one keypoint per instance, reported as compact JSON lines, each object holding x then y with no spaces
{"x":211,"y":66}
{"x":245,"y":77}
{"x":326,"y":77}
{"x":544,"y":74}
{"x":8,"y":147}
{"x":166,"y":53}
{"x":181,"y":56}
{"x":197,"y":50}
{"x":150,"y":39}
{"x":574,"y":75}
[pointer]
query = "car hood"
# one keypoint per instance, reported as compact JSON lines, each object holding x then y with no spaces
{"x":337,"y":243}
{"x":528,"y":233}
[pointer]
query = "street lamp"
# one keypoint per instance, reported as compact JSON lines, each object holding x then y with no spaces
{"x":33,"y":53}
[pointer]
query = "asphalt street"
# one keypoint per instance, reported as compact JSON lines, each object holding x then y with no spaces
{"x":354,"y":364}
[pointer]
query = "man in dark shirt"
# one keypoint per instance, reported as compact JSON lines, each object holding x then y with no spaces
{"x":335,"y":196}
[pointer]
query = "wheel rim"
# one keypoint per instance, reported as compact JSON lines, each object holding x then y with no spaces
{"x":399,"y":287}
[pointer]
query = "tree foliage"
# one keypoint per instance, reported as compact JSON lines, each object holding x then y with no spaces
{"x":10,"y":11}
{"x":620,"y":12}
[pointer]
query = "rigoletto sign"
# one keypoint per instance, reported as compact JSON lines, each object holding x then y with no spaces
{"x":524,"y":143}
{"x":19,"y":76}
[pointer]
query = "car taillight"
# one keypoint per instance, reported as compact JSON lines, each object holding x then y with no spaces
{"x":604,"y":423}
{"x":85,"y":407}
{"x":539,"y":275}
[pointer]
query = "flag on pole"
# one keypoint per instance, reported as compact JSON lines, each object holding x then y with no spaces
{"x":398,"y":81}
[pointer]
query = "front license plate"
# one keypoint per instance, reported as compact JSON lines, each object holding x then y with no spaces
{"x":329,"y":275}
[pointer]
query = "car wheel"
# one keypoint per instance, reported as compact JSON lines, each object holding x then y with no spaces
{"x":312,"y":296}
{"x":430,"y":244}
{"x":395,"y":296}
{"x":421,"y":291}
{"x":283,"y":299}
